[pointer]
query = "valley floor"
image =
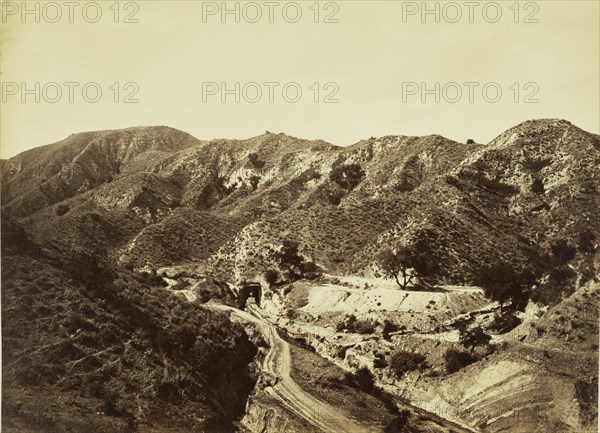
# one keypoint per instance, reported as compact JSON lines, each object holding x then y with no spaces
{"x":277,"y":363}
{"x":502,"y":390}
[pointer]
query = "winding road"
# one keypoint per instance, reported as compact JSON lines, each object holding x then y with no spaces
{"x":189,"y":294}
{"x":278,"y":363}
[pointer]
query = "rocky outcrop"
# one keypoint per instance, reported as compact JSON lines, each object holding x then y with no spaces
{"x":265,"y":414}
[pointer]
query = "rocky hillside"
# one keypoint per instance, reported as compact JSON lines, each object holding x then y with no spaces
{"x":158,"y":196}
{"x":50,"y":174}
{"x":78,"y":216}
{"x":542,"y":377}
{"x":89,"y":346}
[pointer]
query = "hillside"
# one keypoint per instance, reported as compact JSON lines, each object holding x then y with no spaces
{"x":83,"y":217}
{"x":138,"y":192}
{"x":543,"y":376}
{"x":87,"y":346}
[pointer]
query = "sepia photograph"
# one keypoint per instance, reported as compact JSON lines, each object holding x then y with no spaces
{"x":310,"y":216}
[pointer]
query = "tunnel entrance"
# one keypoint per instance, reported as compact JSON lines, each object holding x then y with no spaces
{"x":248,"y":290}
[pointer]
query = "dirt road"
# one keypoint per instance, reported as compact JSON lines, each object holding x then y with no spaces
{"x":321,"y":415}
{"x":190,"y":296}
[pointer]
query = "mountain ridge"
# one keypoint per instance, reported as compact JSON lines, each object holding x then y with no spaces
{"x":412,"y":186}
{"x":85,"y":219}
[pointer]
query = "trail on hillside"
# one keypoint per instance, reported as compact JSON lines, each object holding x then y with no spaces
{"x":190,"y":296}
{"x":318,"y":413}
{"x":278,"y":363}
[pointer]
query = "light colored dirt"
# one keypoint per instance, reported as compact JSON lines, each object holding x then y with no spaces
{"x":334,"y":298}
{"x":189,"y":295}
{"x":323,"y":416}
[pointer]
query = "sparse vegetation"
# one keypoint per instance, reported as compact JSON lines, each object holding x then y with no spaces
{"x":351,"y":324}
{"x":586,"y":393}
{"x":455,"y":360}
{"x":502,"y":283}
{"x":402,"y":362}
{"x":107,"y":339}
{"x":61,"y":209}
{"x":388,"y":328}
{"x":404,"y":264}
{"x":271,"y":276}
{"x":105,"y":325}
{"x":473,"y":337}
{"x":348,"y":176}
{"x":505,"y":322}
{"x":340,"y":388}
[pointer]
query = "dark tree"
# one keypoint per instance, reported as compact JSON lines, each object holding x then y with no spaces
{"x":271,"y":276}
{"x":399,"y":423}
{"x":504,"y":323}
{"x":379,"y":361}
{"x":221,"y":187}
{"x":256,"y":161}
{"x":311,"y":270}
{"x":347,"y":175}
{"x":402,"y":362}
{"x":89,"y":268}
{"x":502,"y":283}
{"x":388,"y":328}
{"x":14,"y":237}
{"x":587,"y":242}
{"x":561,"y":275}
{"x":456,"y":360}
{"x":395,"y":265}
{"x":364,"y":379}
{"x":562,"y":251}
{"x":537,"y":187}
{"x":470,"y":338}
{"x":254,"y":181}
{"x":560,"y":283}
{"x":470,"y":141}
{"x":364,"y":327}
{"x":398,"y":264}
{"x":556,"y":278}
{"x":289,"y":259}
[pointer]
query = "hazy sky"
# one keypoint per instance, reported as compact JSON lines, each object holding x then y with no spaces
{"x":373,"y":61}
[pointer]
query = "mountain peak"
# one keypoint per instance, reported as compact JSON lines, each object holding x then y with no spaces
{"x":547,"y":133}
